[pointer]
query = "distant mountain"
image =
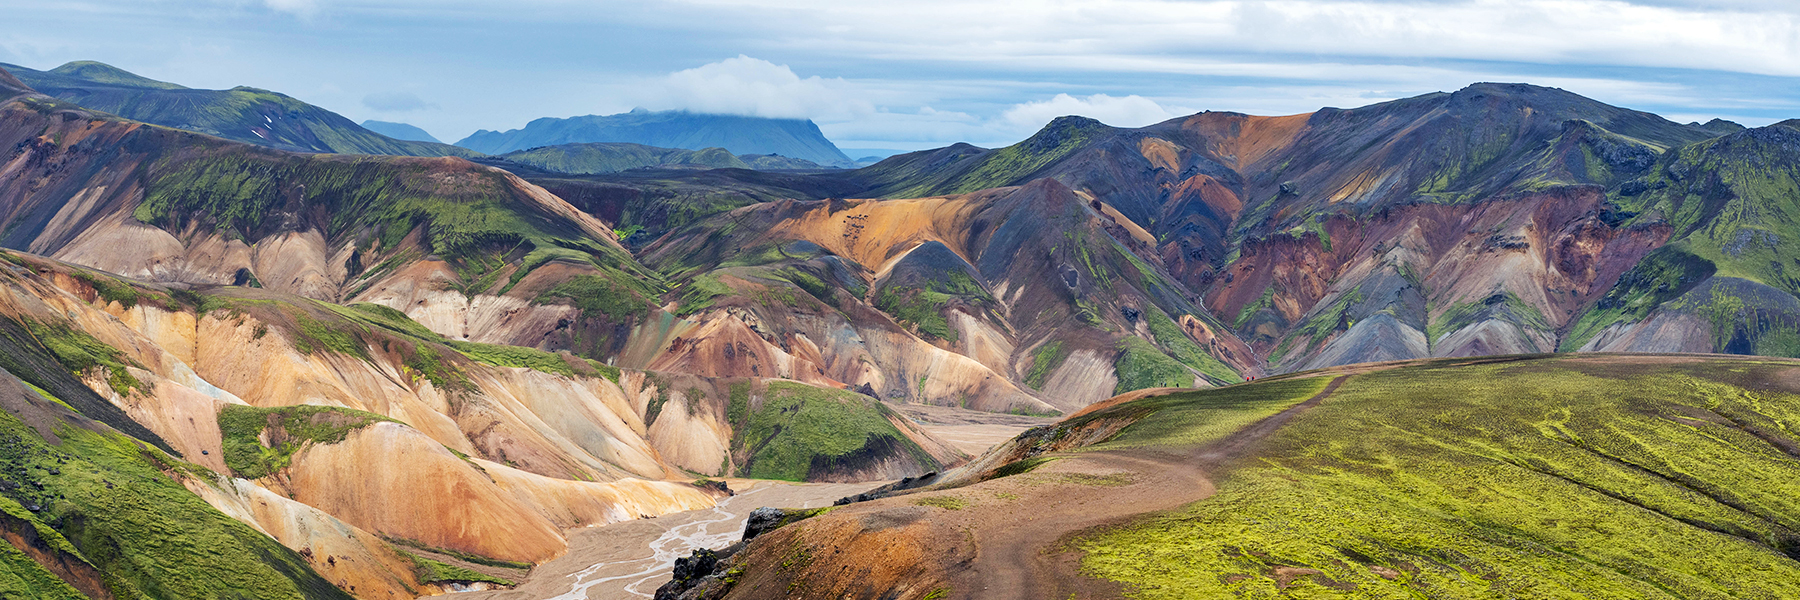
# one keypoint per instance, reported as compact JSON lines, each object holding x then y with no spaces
{"x":598,"y":158}
{"x":670,"y":129}
{"x":399,"y":131}
{"x":241,"y":114}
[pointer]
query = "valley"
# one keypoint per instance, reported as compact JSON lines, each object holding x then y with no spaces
{"x":1506,"y":341}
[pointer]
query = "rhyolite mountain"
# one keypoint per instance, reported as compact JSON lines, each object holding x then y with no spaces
{"x":249,"y":430}
{"x":243,"y":114}
{"x":598,"y":158}
{"x":399,"y":131}
{"x":281,"y":349}
{"x":793,"y":138}
{"x":1499,"y":218}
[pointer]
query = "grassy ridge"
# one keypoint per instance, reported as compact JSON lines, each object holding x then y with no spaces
{"x":800,"y":426}
{"x":116,"y":505}
{"x":287,"y":428}
{"x":1549,"y":478}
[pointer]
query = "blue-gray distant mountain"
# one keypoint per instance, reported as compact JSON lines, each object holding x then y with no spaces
{"x":400,"y":131}
{"x":793,"y":138}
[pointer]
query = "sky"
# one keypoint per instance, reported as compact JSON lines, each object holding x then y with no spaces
{"x":926,"y":73}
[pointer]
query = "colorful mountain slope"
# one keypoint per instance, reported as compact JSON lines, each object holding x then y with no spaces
{"x":243,"y":114}
{"x":1476,"y":222}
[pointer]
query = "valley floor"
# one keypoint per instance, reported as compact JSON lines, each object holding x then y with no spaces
{"x":631,"y":559}
{"x":970,"y":431}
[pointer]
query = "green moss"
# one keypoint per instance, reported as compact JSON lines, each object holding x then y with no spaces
{"x":24,"y":579}
{"x":653,"y":408}
{"x":1506,"y":306}
{"x":1543,"y":478}
{"x":459,"y":555}
{"x":1662,"y":275}
{"x":1182,"y":348}
{"x":1141,"y":365}
{"x":312,"y":336}
{"x":737,"y":407}
{"x":611,"y":373}
{"x":1244,"y":315}
{"x":425,"y":361}
{"x":1010,"y":165}
{"x":109,"y":289}
{"x":515,"y":356}
{"x":120,"y":505}
{"x":812,"y":285}
{"x":1331,"y":319}
{"x":390,"y":319}
{"x":598,"y":297}
{"x":945,"y":502}
{"x":1196,"y":418}
{"x":799,"y":426}
{"x":82,"y":354}
{"x":921,"y":308}
{"x":1044,"y":361}
{"x":700,"y":293}
{"x":288,"y":430}
{"x":1021,"y":467}
{"x":431,"y":571}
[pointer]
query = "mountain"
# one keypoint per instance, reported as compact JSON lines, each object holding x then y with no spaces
{"x":795,"y":138}
{"x":597,"y":158}
{"x":241,"y":114}
{"x":260,"y":420}
{"x":1591,"y":476}
{"x":399,"y":131}
{"x":1482,"y":221}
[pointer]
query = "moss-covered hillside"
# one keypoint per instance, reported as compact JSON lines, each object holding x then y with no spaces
{"x":1603,"y":477}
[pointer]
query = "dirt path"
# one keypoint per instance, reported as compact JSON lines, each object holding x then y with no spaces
{"x":1024,"y":557}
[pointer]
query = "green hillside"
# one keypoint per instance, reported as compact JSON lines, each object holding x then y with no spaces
{"x":243,"y":114}
{"x":1533,"y":477}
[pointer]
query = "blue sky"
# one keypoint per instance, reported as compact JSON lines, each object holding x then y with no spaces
{"x":926,"y":73}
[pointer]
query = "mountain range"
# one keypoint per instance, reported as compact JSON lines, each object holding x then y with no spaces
{"x":598,"y":158}
{"x":242,"y":114}
{"x":792,"y":138}
{"x":399,"y":131}
{"x":234,"y":368}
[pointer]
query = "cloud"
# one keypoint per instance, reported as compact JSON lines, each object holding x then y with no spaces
{"x":1126,"y":111}
{"x":396,"y":102}
{"x":755,"y":87}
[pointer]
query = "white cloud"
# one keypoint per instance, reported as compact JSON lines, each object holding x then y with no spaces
{"x":755,"y":87}
{"x":1126,"y":111}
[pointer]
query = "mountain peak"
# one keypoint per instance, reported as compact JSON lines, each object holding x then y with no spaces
{"x":11,"y":86}
{"x":99,"y":72}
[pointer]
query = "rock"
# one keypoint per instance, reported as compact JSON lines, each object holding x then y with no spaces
{"x":715,"y":485}
{"x":702,"y":574}
{"x":763,"y":520}
{"x":697,"y":565}
{"x":766,"y":519}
